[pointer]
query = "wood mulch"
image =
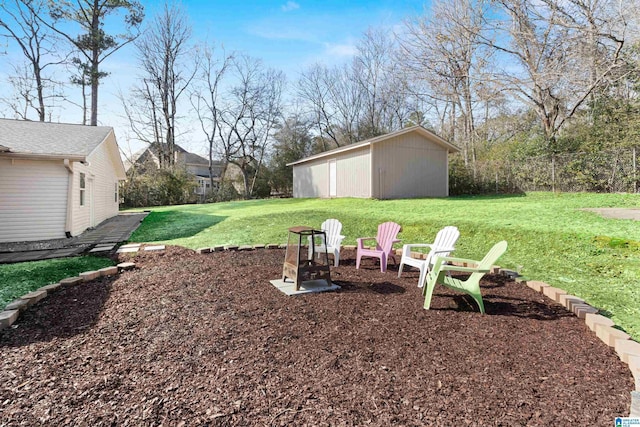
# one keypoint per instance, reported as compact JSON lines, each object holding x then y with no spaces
{"x":190,"y":339}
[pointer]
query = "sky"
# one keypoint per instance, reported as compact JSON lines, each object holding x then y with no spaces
{"x":287,"y":35}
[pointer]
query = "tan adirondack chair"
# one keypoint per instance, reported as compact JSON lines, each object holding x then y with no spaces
{"x":443,"y":245}
{"x":470,"y":286}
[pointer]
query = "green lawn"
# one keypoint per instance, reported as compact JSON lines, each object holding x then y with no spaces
{"x":24,"y":277}
{"x":550,"y":237}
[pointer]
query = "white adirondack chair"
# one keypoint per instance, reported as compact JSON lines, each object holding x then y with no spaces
{"x":443,"y":245}
{"x":332,"y":227}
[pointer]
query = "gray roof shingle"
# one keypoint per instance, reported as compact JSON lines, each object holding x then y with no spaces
{"x":194,"y":159}
{"x":50,"y":138}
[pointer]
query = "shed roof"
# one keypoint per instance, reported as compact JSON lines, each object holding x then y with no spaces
{"x":50,"y":139}
{"x":419,"y":129}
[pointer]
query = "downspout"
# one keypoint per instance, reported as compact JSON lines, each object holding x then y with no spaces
{"x":69,"y":219}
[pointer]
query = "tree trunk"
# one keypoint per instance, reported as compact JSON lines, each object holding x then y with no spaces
{"x":39,"y":91}
{"x":553,"y":172}
{"x":95,"y":61}
{"x":84,"y":101}
{"x":635,"y":172}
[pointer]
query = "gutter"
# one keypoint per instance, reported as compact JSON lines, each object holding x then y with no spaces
{"x":34,"y":156}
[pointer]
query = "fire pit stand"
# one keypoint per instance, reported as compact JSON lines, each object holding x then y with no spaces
{"x":300,"y":262}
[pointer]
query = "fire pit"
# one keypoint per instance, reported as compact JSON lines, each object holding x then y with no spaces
{"x":302,"y":263}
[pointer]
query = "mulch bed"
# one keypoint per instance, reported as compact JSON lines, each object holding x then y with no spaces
{"x":206,"y":340}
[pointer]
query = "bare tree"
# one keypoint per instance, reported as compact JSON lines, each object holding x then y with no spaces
{"x":347,"y":98}
{"x":442,"y":51}
{"x":363,"y":98}
{"x":93,"y":43}
{"x":206,"y":102}
{"x":23,"y":98}
{"x":19,"y":22}
{"x":163,"y":53}
{"x":335,"y":101}
{"x":247,"y":122}
{"x":315,"y":89}
{"x":240,"y":120}
{"x":385,"y":106}
{"x":602,"y":27}
{"x":293,"y":141}
{"x":560,"y":53}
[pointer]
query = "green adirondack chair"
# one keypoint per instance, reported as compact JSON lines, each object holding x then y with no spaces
{"x":471,"y":286}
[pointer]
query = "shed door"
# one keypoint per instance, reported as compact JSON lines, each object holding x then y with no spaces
{"x":333,"y":187}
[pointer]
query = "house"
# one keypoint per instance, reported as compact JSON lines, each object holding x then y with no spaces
{"x":56,"y":180}
{"x":194,"y":164}
{"x":411,"y":162}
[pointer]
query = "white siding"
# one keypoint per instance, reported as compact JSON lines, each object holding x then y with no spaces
{"x":409,"y":166}
{"x":353,"y":173}
{"x":101,"y":172}
{"x":311,"y":179}
{"x":33,"y":197}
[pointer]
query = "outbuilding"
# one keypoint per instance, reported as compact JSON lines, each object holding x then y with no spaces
{"x":56,"y":180}
{"x":412,"y":162}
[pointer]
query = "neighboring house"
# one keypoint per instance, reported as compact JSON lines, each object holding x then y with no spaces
{"x":411,"y":162}
{"x":56,"y":179}
{"x":194,"y":164}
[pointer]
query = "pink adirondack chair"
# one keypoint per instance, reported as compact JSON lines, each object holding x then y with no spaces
{"x":387,"y":236}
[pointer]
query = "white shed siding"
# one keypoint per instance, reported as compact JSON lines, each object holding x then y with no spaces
{"x":100,"y":190}
{"x":33,"y":200}
{"x":409,"y":166}
{"x":311,"y":179}
{"x":353,"y":173}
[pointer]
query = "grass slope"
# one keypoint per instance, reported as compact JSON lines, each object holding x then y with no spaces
{"x":550,"y":237}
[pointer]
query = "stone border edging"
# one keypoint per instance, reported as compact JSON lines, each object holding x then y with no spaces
{"x":12,"y":311}
{"x":627,"y":349}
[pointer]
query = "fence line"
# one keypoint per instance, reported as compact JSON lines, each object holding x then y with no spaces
{"x":610,"y":171}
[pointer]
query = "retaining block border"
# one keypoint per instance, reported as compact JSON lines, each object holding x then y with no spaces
{"x":627,"y":349}
{"x":11,"y":312}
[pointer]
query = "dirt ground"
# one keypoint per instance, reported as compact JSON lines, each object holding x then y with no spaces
{"x":188,"y":339}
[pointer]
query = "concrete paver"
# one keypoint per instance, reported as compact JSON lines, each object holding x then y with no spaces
{"x":127,"y":250}
{"x":617,"y":213}
{"x":102,"y":249}
{"x":131,"y":245}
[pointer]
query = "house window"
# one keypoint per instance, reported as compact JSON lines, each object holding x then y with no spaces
{"x":115,"y":197}
{"x":82,"y":188}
